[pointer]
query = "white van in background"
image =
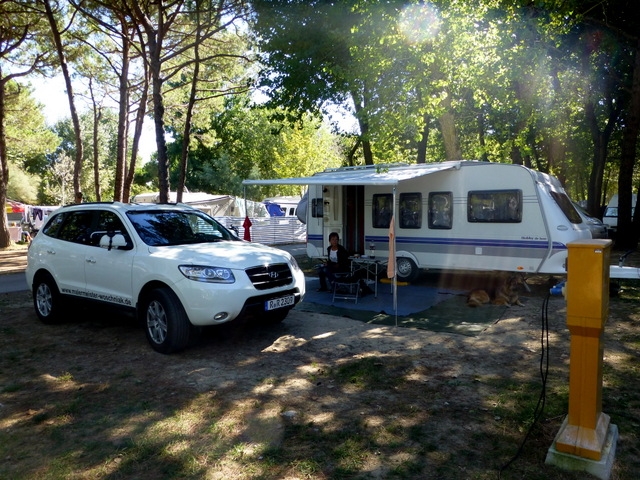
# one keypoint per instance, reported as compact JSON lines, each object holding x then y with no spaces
{"x":610,"y":218}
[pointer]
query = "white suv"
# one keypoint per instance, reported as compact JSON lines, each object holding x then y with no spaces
{"x":172,"y":265}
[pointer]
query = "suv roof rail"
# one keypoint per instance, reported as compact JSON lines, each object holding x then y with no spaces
{"x":92,"y":203}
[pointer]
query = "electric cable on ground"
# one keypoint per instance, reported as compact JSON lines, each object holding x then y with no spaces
{"x":544,"y":372}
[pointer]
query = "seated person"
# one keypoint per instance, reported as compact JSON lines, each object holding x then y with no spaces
{"x":337,"y":262}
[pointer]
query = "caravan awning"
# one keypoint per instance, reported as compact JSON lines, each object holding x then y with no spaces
{"x":369,"y":175}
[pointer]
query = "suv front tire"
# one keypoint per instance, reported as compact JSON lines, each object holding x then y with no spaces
{"x":165,"y":322}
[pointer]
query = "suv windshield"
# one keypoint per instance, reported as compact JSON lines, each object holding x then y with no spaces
{"x":173,"y":227}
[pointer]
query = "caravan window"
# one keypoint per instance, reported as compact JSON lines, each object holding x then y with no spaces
{"x":495,"y":206}
{"x":316,"y":207}
{"x":410,"y":210}
{"x":381,"y":211}
{"x":440,"y":210}
{"x":567,"y":207}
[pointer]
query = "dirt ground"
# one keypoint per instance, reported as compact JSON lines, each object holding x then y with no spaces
{"x":13,"y":260}
{"x":456,"y":386}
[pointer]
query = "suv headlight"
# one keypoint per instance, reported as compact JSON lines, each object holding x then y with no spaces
{"x":202,"y":273}
{"x":294,"y":264}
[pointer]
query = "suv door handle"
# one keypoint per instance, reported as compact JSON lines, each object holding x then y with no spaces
{"x":90,"y":260}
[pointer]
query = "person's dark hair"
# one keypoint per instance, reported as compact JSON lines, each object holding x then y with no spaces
{"x":334,"y":234}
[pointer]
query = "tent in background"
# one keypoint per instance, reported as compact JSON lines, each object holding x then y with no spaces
{"x":213,"y":205}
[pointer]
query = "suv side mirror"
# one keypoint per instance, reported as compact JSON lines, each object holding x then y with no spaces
{"x":113,"y":241}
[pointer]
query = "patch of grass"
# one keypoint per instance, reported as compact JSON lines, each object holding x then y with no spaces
{"x":12,"y":387}
{"x":629,"y":290}
{"x":307,"y":468}
{"x":65,"y":377}
{"x":516,"y":402}
{"x":368,"y":372}
{"x":307,"y":265}
{"x":123,"y":375}
{"x":8,"y":331}
{"x":432,"y":412}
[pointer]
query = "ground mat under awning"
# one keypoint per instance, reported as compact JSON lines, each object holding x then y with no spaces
{"x":434,"y":308}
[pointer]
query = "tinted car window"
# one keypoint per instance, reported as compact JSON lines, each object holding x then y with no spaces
{"x":52,"y":228}
{"x":108,"y":224}
{"x":77,"y":227}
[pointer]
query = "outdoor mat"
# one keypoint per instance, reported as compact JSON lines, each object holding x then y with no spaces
{"x":419,"y":306}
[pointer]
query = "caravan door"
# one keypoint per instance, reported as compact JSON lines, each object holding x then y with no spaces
{"x":335,"y":208}
{"x":353,"y":214}
{"x":332,"y":214}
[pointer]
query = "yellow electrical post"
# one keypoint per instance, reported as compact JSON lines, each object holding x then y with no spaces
{"x":585,"y":432}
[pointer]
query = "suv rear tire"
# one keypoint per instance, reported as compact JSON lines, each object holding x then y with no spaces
{"x":165,"y":321}
{"x":47,"y":300}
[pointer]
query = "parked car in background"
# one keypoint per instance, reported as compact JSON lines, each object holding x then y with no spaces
{"x":610,"y":218}
{"x":596,"y":226}
{"x":173,"y":266}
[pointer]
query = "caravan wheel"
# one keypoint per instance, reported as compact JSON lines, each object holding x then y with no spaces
{"x":407,"y":269}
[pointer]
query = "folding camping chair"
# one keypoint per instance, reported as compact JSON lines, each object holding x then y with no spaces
{"x":345,"y":287}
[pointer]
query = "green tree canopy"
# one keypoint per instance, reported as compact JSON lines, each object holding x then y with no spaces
{"x":243,"y":142}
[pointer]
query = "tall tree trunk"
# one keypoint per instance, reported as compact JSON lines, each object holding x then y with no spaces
{"x":424,"y":140}
{"x":158,"y":120}
{"x":186,"y":136}
{"x":482,"y":135}
{"x":352,"y":152}
{"x":597,"y":171}
{"x":5,"y":236}
{"x":359,"y":102}
{"x":600,"y":148}
{"x":154,"y":39}
{"x":516,"y":155}
{"x":97,"y":116}
{"x":75,"y":119}
{"x":123,"y":117}
{"x":628,"y":233}
{"x":449,"y":133}
{"x":366,"y":143}
{"x":137,"y":133}
{"x":141,"y":113}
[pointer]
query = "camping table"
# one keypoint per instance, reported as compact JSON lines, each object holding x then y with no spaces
{"x":372,"y":266}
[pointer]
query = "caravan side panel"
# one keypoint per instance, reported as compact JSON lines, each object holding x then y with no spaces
{"x":483,"y":216}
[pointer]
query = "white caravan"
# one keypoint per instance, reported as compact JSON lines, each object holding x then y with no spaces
{"x":459,"y":215}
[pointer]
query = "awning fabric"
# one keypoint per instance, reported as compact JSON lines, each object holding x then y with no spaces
{"x":369,"y":175}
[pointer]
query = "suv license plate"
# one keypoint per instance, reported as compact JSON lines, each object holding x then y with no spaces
{"x":279,"y":302}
